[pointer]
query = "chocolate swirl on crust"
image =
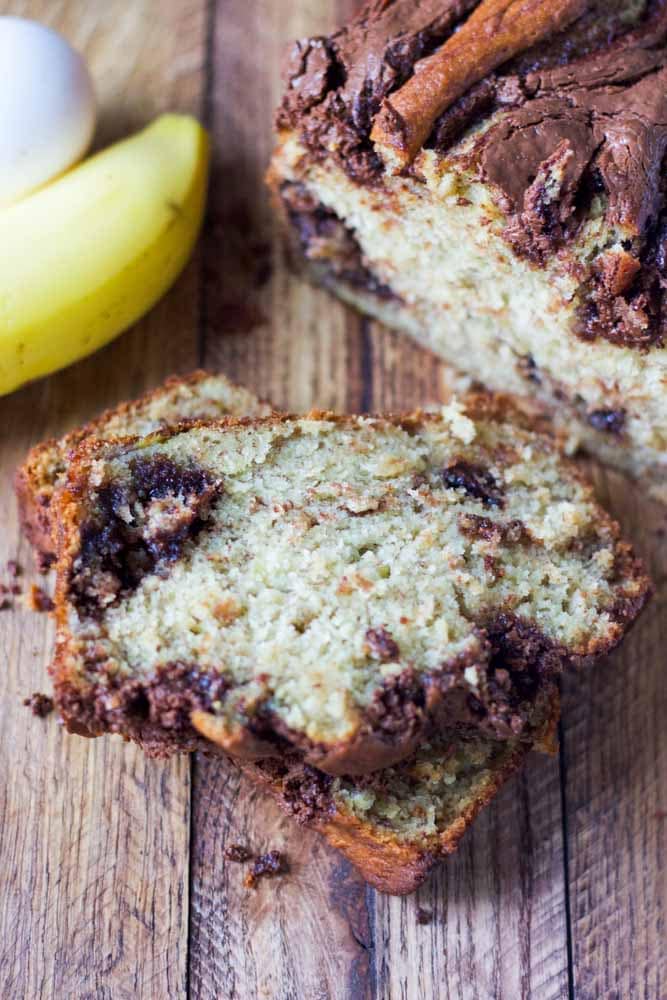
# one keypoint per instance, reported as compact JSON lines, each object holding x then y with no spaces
{"x":594,"y":127}
{"x":495,"y":32}
{"x":336,"y":85}
{"x":579,"y":127}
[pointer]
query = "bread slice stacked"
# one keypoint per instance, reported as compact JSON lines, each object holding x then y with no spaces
{"x":370,"y":614}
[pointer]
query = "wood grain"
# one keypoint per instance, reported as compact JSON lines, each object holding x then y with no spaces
{"x":93,"y":837}
{"x":113,"y":877}
{"x":615,"y":754}
{"x":304,"y":935}
{"x":498,"y":909}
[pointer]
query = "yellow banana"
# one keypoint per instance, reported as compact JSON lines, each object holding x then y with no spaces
{"x":86,"y":256}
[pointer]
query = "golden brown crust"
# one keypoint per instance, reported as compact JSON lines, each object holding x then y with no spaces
{"x":366,"y":752}
{"x":34,"y":503}
{"x":496,"y":31}
{"x":236,"y":740}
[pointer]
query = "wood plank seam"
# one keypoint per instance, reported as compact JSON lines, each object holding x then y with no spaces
{"x":207,"y":120}
{"x":366,"y":353}
{"x":566,"y":861}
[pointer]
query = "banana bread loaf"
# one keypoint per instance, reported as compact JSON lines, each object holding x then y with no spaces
{"x":488,"y":176}
{"x":200,"y":395}
{"x":338,"y":585}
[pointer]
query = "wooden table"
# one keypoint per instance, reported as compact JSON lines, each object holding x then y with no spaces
{"x":113,"y":882}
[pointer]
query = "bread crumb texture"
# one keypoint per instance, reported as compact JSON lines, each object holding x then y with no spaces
{"x":417,"y":800}
{"x":307,"y":564}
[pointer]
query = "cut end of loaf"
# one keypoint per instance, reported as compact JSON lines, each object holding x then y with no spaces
{"x":511,"y":221}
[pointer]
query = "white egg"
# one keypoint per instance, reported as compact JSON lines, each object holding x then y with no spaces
{"x":47,"y":107}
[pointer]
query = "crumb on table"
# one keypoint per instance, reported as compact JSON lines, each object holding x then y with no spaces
{"x":11,"y":589}
{"x":39,"y":704}
{"x":266,"y":866}
{"x":237,"y":852}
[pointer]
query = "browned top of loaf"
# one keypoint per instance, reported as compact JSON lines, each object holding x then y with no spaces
{"x":571,"y":98}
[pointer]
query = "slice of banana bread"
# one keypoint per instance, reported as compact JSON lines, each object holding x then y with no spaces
{"x":488,"y":176}
{"x":395,"y":825}
{"x":198,"y":396}
{"x":336,"y":584}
